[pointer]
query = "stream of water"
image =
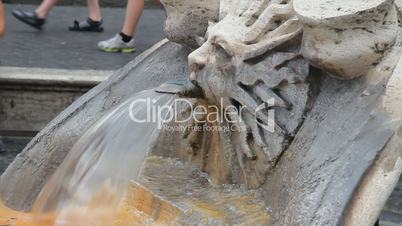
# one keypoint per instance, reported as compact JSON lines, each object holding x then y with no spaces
{"x":89,"y":186}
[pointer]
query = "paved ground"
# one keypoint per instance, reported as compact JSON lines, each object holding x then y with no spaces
{"x":56,"y":47}
{"x":105,"y":3}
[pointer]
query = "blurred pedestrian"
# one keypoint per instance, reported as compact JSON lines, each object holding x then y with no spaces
{"x":124,"y":41}
{"x":37,"y":18}
{"x":2,"y":19}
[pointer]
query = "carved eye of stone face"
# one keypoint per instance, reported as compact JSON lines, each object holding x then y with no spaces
{"x":223,"y":49}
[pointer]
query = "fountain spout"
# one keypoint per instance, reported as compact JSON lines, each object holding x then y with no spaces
{"x":183,"y":88}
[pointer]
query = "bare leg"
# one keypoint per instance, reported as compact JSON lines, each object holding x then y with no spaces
{"x":94,"y":11}
{"x":133,"y":14}
{"x":43,"y":10}
{"x":124,"y":42}
{"x":2,"y":20}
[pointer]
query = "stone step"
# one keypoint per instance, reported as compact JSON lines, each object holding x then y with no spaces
{"x":389,"y":218}
{"x":392,"y":213}
{"x":31,"y":97}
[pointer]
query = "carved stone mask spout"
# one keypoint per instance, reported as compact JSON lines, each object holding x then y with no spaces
{"x":244,"y":34}
{"x":250,"y":52}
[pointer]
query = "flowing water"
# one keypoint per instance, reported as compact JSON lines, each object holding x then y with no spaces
{"x":90,"y":184}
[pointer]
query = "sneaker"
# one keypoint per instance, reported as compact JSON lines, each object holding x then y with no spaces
{"x":116,"y":44}
{"x":29,"y":18}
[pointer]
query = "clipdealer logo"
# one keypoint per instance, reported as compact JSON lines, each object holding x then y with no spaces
{"x":227,"y":117}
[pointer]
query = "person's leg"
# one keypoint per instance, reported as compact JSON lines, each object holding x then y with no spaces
{"x":124,"y":42}
{"x":93,"y":9}
{"x":43,"y":10}
{"x":93,"y":22}
{"x":2,"y":19}
{"x":94,"y":12}
{"x":38,"y":18}
{"x":133,"y":14}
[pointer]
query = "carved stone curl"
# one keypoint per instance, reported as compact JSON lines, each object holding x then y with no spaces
{"x":347,"y":38}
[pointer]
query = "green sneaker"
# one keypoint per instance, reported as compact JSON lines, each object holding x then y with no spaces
{"x":116,"y":44}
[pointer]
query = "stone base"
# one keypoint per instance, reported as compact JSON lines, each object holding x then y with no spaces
{"x":174,"y":193}
{"x":31,"y":97}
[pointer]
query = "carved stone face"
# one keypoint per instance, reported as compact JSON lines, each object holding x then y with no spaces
{"x":237,"y":39}
{"x":187,"y":20}
{"x":234,"y":69}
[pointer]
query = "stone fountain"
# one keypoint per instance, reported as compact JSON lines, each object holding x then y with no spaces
{"x":318,"y":140}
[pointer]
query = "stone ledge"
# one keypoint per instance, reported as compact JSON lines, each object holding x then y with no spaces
{"x":55,"y":77}
{"x":31,"y":97}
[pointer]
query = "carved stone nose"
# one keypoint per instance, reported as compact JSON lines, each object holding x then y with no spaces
{"x":197,"y":62}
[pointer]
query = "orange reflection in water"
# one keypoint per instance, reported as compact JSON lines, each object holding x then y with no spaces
{"x":9,"y":217}
{"x":95,"y":214}
{"x":14,"y":218}
{"x":88,"y":216}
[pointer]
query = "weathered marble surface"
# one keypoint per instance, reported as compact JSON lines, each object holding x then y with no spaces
{"x":347,"y":38}
{"x":191,"y":15}
{"x":343,"y":158}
